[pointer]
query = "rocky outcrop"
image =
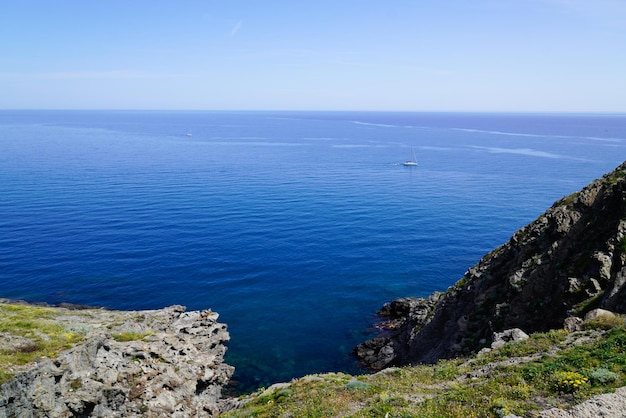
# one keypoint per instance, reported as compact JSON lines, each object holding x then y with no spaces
{"x":570,"y":260}
{"x":608,"y":405}
{"x":172,"y":366}
{"x":500,"y":339}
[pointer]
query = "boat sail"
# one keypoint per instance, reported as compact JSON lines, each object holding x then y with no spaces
{"x":411,"y":163}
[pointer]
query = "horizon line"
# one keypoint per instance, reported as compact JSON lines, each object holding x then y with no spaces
{"x":571,"y":112}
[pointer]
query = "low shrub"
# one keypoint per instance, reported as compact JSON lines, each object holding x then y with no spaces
{"x":605,"y":322}
{"x":603,"y":376}
{"x":568,"y":382}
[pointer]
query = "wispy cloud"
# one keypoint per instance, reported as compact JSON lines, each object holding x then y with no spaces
{"x":235,"y":29}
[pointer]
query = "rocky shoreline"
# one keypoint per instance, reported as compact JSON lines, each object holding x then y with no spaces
{"x":152,"y":363}
{"x":564,"y":266}
{"x":571,"y":260}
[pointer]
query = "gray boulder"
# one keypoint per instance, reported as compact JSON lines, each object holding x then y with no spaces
{"x":501,"y":338}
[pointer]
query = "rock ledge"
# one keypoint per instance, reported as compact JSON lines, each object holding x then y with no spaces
{"x":173,"y":368}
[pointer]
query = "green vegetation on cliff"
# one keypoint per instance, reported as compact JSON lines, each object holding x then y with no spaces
{"x":79,"y":361}
{"x":552,"y":369}
{"x":30,"y":333}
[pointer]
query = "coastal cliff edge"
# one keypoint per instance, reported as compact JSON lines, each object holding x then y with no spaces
{"x":570,"y":260}
{"x":96,"y":362}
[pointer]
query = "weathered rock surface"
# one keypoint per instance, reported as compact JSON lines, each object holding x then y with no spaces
{"x":174,"y":369}
{"x":501,"y":338}
{"x":609,"y":405}
{"x":570,"y":260}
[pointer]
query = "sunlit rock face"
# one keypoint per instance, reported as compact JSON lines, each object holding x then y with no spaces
{"x":165,"y":362}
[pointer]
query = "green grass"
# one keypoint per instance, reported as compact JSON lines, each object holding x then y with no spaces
{"x":40,"y":336}
{"x":588,"y":304}
{"x":460,"y":388}
{"x":568,"y":200}
{"x":614,"y":177}
{"x":605,"y":322}
{"x":131,"y":336}
{"x":37,"y":335}
{"x":554,"y":373}
{"x":537,"y":343}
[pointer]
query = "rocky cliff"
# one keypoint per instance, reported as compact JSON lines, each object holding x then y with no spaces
{"x":165,"y":362}
{"x":570,"y":260}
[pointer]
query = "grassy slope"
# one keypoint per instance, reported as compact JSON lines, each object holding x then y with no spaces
{"x":549,"y":369}
{"x":29,"y":333}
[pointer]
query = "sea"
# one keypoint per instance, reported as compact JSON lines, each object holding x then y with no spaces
{"x":296,"y":227}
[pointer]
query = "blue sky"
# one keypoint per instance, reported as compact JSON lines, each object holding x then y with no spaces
{"x":415,"y":55}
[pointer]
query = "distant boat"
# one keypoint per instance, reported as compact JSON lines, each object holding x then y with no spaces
{"x":411,"y":163}
{"x":189,"y":134}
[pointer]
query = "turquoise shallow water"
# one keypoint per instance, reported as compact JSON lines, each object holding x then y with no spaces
{"x":294,"y":226}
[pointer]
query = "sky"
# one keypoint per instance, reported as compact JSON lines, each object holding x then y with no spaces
{"x":396,"y":55}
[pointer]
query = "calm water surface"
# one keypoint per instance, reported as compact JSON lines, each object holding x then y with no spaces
{"x":294,"y":226}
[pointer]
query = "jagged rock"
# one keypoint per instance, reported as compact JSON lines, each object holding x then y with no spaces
{"x":501,"y":338}
{"x":594,"y":288}
{"x":417,"y":308}
{"x":176,"y":370}
{"x":400,"y":314}
{"x":605,"y":262}
{"x":377,"y":353}
{"x":615,"y":295}
{"x":570,"y":260}
{"x":573,"y":323}
{"x":608,"y":405}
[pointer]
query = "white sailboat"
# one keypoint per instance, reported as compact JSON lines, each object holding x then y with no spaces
{"x":411,"y":163}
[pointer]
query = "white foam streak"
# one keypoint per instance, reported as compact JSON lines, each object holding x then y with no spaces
{"x":480,"y":131}
{"x":498,"y":132}
{"x":523,"y":151}
{"x":382,"y":125}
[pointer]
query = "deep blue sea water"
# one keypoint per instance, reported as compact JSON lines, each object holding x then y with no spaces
{"x":294,"y":226}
